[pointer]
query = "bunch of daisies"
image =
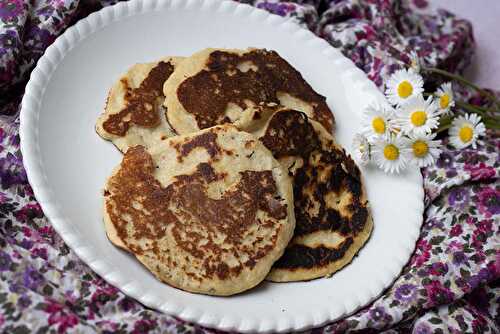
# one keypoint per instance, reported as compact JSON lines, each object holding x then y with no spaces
{"x":401,"y":130}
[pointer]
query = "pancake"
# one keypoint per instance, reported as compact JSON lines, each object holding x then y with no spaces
{"x":331,"y":209}
{"x":208,"y":212}
{"x":134,"y":113}
{"x":216,"y":86}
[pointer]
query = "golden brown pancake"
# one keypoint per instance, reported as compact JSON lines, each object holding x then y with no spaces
{"x":217,"y":86}
{"x":332,"y":217}
{"x":208,"y":212}
{"x":134,"y":112}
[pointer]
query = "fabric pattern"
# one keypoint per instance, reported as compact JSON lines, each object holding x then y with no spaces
{"x":450,"y":285}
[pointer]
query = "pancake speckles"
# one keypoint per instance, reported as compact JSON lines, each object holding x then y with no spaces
{"x":223,"y":227}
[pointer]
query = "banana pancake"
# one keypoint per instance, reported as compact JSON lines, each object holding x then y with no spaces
{"x":134,"y":112}
{"x":216,"y":86}
{"x":331,"y":209}
{"x":208,"y":212}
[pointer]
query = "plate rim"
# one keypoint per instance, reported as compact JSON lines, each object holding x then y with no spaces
{"x":28,"y":131}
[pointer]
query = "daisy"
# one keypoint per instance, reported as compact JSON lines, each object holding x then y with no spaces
{"x":415,"y":62}
{"x":446,"y":100}
{"x":418,"y":116}
{"x":424,"y":149}
{"x":465,"y":130}
{"x":378,"y":120}
{"x":361,"y":149}
{"x":391,"y":153}
{"x":403,"y":85}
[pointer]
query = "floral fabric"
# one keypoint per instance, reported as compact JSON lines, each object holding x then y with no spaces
{"x":450,"y":285}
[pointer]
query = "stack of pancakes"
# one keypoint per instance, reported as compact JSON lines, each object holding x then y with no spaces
{"x":230,"y":173}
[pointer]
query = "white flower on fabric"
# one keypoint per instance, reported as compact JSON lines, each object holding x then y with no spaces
{"x":415,"y":64}
{"x":403,"y":85}
{"x":424,"y":150}
{"x":445,"y":99}
{"x":361,"y":149}
{"x":391,"y":154}
{"x":378,"y":120}
{"x":418,"y":116}
{"x":465,"y":130}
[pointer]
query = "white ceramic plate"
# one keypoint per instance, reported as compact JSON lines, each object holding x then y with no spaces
{"x":67,"y":163}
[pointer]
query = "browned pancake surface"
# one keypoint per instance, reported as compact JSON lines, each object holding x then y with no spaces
{"x":328,"y":195}
{"x":245,"y":78}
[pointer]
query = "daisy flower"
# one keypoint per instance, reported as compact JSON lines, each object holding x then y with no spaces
{"x":415,"y":62}
{"x":403,"y":85}
{"x":445,"y":98}
{"x":377,"y":120}
{"x":361,"y":149}
{"x":418,"y":116}
{"x":391,"y":153}
{"x":424,"y":150}
{"x":465,"y":130}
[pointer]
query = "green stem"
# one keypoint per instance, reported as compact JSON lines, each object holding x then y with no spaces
{"x":466,"y":82}
{"x":442,"y":128}
{"x":492,"y":125}
{"x":471,"y":107}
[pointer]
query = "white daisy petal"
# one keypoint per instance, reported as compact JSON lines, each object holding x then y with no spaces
{"x":391,"y":153}
{"x":445,"y":99}
{"x":418,"y":116}
{"x":465,"y":131}
{"x":403,"y":85}
{"x":378,"y":120}
{"x":424,"y":150}
{"x":361,"y":149}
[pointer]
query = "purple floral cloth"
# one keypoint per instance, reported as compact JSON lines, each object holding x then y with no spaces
{"x":450,"y":285}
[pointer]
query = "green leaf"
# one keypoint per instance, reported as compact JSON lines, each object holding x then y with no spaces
{"x":21,"y":330}
{"x":464,"y":273}
{"x":40,"y":306}
{"x":48,"y":290}
{"x":437,"y":240}
{"x":394,"y":303}
{"x":435,"y":321}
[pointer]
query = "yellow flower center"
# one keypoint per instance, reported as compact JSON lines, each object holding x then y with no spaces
{"x":444,"y":101}
{"x":405,"y":89}
{"x":465,"y":134}
{"x":391,"y":152}
{"x":378,"y":125}
{"x":420,"y":148}
{"x":418,"y":118}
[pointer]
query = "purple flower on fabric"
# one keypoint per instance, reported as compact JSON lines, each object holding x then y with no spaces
{"x":126,"y":304}
{"x":280,"y":9}
{"x":438,"y":269}
{"x":32,"y":278}
{"x":29,"y":212}
{"x":144,"y":326}
{"x":456,"y":230}
{"x":10,"y":10}
{"x":12,"y":171}
{"x":480,"y":172}
{"x":406,"y":293}
{"x":26,"y":244}
{"x":438,"y":294}
{"x":459,"y":197}
{"x":489,"y":201}
{"x":445,"y":160}
{"x":422,"y":328}
{"x":378,"y":314}
{"x":40,"y":252}
{"x":24,"y":301}
{"x":5,"y":261}
{"x":459,"y":258}
{"x":482,"y":276}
